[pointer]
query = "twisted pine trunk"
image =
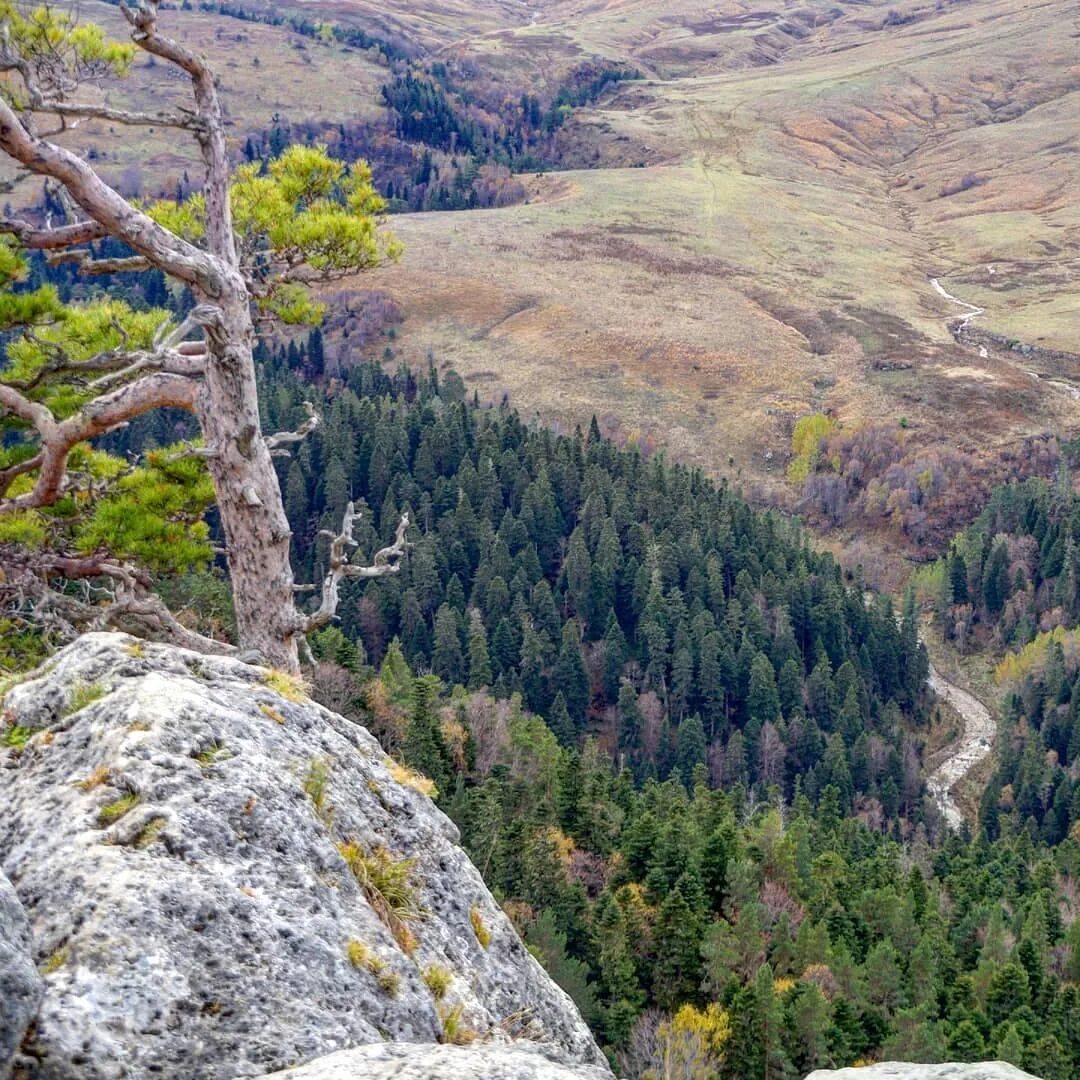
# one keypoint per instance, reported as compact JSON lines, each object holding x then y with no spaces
{"x":257,"y":533}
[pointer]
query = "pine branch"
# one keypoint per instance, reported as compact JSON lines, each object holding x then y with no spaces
{"x":106,"y":413}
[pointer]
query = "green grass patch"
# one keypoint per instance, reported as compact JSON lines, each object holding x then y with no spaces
{"x":114,"y":811}
{"x":83,"y":695}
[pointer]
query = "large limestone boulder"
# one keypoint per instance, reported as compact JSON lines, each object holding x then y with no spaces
{"x":208,"y":862}
{"x":899,"y":1070}
{"x":417,"y":1061}
{"x":21,"y":986}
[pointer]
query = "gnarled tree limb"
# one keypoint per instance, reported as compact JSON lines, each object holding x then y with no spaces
{"x":59,"y":437}
{"x":278,"y":442}
{"x":87,"y":264}
{"x":211,"y":134}
{"x":386,"y":561}
{"x":115,"y":215}
{"x":117,"y":596}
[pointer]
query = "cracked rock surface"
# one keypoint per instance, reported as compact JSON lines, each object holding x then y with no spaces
{"x":21,"y":986}
{"x":898,"y":1070}
{"x":174,"y":831}
{"x":417,"y":1061}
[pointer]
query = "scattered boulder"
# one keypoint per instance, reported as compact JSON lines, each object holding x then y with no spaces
{"x":419,"y":1061}
{"x":898,"y":1070}
{"x":21,"y":986}
{"x":225,"y":879}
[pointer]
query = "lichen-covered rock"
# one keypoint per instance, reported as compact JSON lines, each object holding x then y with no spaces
{"x":899,"y":1070}
{"x":204,"y":857}
{"x":419,"y":1061}
{"x":21,"y":986}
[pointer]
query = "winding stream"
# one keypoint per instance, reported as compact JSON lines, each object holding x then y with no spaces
{"x":973,"y":746}
{"x":960,"y":320}
{"x":975,"y":743}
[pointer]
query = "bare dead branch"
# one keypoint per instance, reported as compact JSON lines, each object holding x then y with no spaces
{"x":277,"y":443}
{"x":116,"y":596}
{"x":87,"y":264}
{"x":211,"y":136}
{"x":37,"y":239}
{"x":155,"y":620}
{"x":386,"y":561}
{"x":181,"y":119}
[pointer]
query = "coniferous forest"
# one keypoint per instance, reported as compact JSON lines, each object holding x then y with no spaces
{"x":683,"y":749}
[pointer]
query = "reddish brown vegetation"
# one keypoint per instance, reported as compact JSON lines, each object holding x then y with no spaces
{"x":877,"y":477}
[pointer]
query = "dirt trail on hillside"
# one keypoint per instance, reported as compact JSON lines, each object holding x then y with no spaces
{"x":974,"y":744}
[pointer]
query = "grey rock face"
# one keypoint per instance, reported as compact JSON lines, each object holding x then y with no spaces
{"x":420,"y":1061}
{"x":21,"y":986}
{"x":176,"y":830}
{"x":898,"y":1070}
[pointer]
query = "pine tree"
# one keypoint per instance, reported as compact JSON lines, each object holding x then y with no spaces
{"x":424,"y":747}
{"x":446,"y":659}
{"x":479,"y":661}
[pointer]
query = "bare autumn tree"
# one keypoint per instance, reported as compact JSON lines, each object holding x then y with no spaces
{"x":249,"y":245}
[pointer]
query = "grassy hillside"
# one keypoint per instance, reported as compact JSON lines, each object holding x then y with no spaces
{"x":264,"y":72}
{"x":755,"y":225}
{"x":766,"y":248}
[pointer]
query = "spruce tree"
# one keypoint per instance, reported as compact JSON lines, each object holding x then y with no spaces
{"x":569,"y":674}
{"x":479,"y":661}
{"x":447,"y":660}
{"x":424,"y":748}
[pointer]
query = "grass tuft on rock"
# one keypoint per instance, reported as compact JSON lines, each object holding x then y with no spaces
{"x":316,"y":787}
{"x":112,"y":812}
{"x":410,"y":778}
{"x":454,"y":1030}
{"x":214,"y":753}
{"x":290,"y":687}
{"x":390,"y":888}
{"x":82,"y":695}
{"x":437,"y":980}
{"x":15,"y":736}
{"x":55,"y":962}
{"x":483,"y":934}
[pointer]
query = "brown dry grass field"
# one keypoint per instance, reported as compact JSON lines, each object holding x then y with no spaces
{"x":263,"y":71}
{"x":777,"y":191}
{"x":766,"y":250}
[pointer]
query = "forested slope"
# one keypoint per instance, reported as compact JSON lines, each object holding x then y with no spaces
{"x":717,"y":836}
{"x":1011,"y":581}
